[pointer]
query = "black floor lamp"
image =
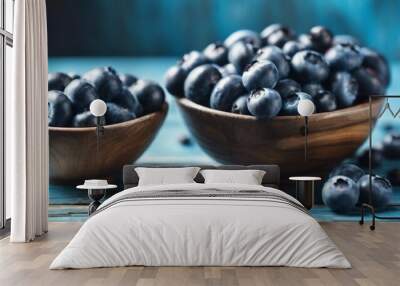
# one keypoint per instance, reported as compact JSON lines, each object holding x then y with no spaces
{"x":98,"y":108}
{"x":369,"y":205}
{"x":305,"y":108}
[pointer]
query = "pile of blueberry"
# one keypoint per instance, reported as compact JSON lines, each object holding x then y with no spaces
{"x":126,"y":96}
{"x":385,"y":155}
{"x":348,"y":185}
{"x":266,"y":74}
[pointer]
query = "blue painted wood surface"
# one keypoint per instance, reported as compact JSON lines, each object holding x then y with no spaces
{"x":320,"y":213}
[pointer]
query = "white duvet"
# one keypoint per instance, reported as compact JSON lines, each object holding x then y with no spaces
{"x":190,"y":231}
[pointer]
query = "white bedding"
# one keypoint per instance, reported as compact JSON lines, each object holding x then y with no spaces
{"x":183,"y":231}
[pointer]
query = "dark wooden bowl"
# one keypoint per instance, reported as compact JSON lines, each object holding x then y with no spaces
{"x":73,"y":151}
{"x":240,"y":139}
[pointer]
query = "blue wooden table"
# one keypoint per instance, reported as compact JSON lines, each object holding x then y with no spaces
{"x":166,"y":146}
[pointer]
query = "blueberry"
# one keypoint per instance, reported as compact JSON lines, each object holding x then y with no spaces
{"x":150,"y":95}
{"x":325,"y":101}
{"x":292,"y":47}
{"x":185,"y":140}
{"x":264,"y":103}
{"x":376,"y":158}
{"x":105,"y":81}
{"x":340,"y":193}
{"x":391,"y":146}
{"x":381,"y":188}
{"x":394,"y":177}
{"x":117,"y":114}
{"x":388,"y":127}
{"x":111,"y":70}
{"x":368,"y":81}
{"x":260,"y":74}
{"x":226,"y":91}
{"x":377,"y":63}
{"x":276,"y":35}
{"x":200,"y":83}
{"x":229,"y":69}
{"x":74,"y":76}
{"x":269,"y":30}
{"x":129,"y":101}
{"x":306,"y":42}
{"x":310,"y":66}
{"x":345,"y":87}
{"x":245,"y":36}
{"x":240,"y":105}
{"x":127,"y":79}
{"x":58,"y":81}
{"x":192,"y":60}
{"x":216,"y":53}
{"x":81,"y":93}
{"x":312,"y":88}
{"x":287,"y":87}
{"x":275,"y":55}
{"x":289,"y":106}
{"x":84,"y":119}
{"x":348,"y":170}
{"x":60,"y":109}
{"x":321,"y":38}
{"x":174,"y":80}
{"x":345,"y":39}
{"x":344,"y":57}
{"x":241,"y":54}
{"x":175,"y":76}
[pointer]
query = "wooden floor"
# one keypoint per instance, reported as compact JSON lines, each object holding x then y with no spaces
{"x":375,"y":257}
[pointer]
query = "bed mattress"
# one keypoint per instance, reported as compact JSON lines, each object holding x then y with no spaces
{"x":201,"y":225}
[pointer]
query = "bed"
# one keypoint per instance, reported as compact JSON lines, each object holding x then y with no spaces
{"x":197,"y":224}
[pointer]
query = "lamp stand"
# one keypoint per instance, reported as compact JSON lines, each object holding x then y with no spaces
{"x":99,"y":125}
{"x":99,"y":133}
{"x":306,"y":137}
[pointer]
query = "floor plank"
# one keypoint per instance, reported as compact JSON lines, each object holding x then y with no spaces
{"x":375,"y":257}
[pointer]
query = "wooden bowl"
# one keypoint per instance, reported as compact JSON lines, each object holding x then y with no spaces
{"x":240,"y":139}
{"x":73,"y":151}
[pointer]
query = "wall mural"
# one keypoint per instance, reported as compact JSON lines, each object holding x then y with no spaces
{"x":226,"y":90}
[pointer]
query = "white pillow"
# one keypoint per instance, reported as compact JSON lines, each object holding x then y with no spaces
{"x":166,"y":176}
{"x":248,"y":177}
